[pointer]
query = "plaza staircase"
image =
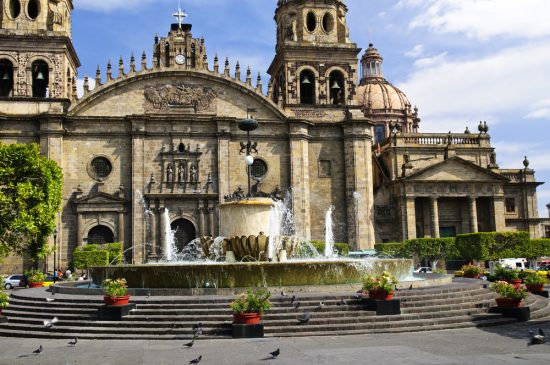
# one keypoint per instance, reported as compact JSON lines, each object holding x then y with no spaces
{"x":458,"y":305}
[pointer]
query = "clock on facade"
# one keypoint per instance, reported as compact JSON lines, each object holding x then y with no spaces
{"x":180,"y":59}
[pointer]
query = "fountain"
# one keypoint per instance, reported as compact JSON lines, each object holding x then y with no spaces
{"x":243,"y":256}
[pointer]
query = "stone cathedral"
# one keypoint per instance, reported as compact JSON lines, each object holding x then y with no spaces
{"x":161,"y":135}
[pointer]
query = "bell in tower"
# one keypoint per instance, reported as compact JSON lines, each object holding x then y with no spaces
{"x":37,"y":57}
{"x":316,"y":62}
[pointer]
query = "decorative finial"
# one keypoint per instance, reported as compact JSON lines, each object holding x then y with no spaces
{"x":180,"y":15}
{"x":526,"y":162}
{"x":467,"y":131}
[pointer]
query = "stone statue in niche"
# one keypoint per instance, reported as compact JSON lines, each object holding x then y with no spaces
{"x":181,"y":172}
{"x":193,"y":173}
{"x":169,"y":173}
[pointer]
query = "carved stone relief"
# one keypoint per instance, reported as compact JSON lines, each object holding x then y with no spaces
{"x":170,"y":97}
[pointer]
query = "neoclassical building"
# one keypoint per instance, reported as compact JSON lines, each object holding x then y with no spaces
{"x":157,"y":142}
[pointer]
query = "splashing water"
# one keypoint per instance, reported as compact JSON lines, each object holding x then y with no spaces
{"x":329,"y":234}
{"x":168,"y":236}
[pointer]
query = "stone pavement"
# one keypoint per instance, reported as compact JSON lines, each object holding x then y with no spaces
{"x":492,"y":345}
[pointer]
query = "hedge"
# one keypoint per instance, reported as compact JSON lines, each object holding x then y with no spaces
{"x":115,"y":252}
{"x":539,"y":247}
{"x":392,"y":249}
{"x":84,"y":258}
{"x":432,"y":249}
{"x":342,"y":248}
{"x":493,"y":245}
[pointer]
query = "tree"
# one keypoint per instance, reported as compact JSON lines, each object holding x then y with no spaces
{"x":431,"y":249}
{"x":30,"y":197}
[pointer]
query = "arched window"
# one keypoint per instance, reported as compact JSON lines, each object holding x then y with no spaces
{"x":40,"y":79}
{"x":307,"y":87}
{"x":184,"y":232}
{"x":33,"y":9}
{"x":337,"y":89}
{"x":100,"y":235}
{"x":6,"y":78}
{"x":193,"y":55}
{"x":167,"y":55}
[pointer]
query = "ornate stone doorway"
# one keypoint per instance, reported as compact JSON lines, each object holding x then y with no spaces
{"x":100,"y":235}
{"x":185,"y":232}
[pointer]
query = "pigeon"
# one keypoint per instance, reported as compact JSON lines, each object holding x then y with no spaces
{"x":320,"y":306}
{"x":341,"y":302}
{"x":197,"y":330}
{"x":73,"y":342}
{"x":296,"y":305}
{"x":292,"y":299}
{"x":196,"y":361}
{"x":396,"y":288}
{"x":49,"y":300}
{"x":537,"y":339}
{"x":49,"y":324}
{"x":38,"y":350}
{"x":275,"y":353}
{"x":358,"y":296}
{"x":304,"y":318}
{"x":283,"y":294}
{"x":410,"y":287}
{"x":190,"y":344}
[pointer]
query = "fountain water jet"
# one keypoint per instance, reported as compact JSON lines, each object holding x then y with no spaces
{"x":329,"y":235}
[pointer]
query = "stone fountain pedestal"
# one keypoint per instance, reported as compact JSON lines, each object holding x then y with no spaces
{"x":245,"y":217}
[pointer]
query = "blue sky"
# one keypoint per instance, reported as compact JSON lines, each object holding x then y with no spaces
{"x":459,"y":61}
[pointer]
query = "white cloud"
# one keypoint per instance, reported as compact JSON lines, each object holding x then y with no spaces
{"x":541,"y":110}
{"x":495,"y":84}
{"x":483,"y":19}
{"x":431,"y":61}
{"x":110,"y":5}
{"x":416,"y":52}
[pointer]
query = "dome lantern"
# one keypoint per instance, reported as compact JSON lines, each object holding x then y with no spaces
{"x":371,"y":64}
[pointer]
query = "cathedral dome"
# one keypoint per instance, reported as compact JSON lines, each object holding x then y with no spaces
{"x":375,"y":92}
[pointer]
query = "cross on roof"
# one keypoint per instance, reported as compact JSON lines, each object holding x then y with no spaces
{"x":179,"y":15}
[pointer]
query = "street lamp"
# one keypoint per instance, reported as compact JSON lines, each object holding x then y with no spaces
{"x":249,"y":124}
{"x":54,"y":250}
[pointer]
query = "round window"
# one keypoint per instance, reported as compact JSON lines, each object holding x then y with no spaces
{"x":311,"y":21}
{"x":258,"y":168}
{"x":100,"y":168}
{"x":14,"y":8}
{"x":33,"y":9}
{"x":328,"y":22}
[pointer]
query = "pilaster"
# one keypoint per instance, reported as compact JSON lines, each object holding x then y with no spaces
{"x":299,"y":178}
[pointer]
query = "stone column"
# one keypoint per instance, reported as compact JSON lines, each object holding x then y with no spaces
{"x":434,"y":216}
{"x":151,"y":235}
{"x":79,"y":230}
{"x":299,"y":178}
{"x":473,"y":215}
{"x":201,"y":222}
{"x":498,"y":214}
{"x":138,"y":176}
{"x":121,"y":237}
{"x":158,"y":233}
{"x":359,"y":184}
{"x":212,"y":229}
{"x":224,"y":156}
{"x":410,"y":209}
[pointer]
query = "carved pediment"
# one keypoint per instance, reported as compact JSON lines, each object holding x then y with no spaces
{"x":99,"y":198}
{"x":456,"y":169}
{"x":168,"y":97}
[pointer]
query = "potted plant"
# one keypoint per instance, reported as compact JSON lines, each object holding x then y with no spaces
{"x":4,"y":301}
{"x":509,"y":295}
{"x":534,"y":282}
{"x":35,"y":278}
{"x":380,"y":287}
{"x":116,"y":292}
{"x":471,"y":271}
{"x":249,"y":307}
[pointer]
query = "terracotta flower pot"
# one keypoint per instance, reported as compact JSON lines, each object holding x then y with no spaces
{"x":516,"y":283}
{"x":247,"y":318}
{"x":509,"y":303}
{"x":116,"y":301}
{"x":381,"y":294}
{"x":535,"y":287}
{"x":36,"y":285}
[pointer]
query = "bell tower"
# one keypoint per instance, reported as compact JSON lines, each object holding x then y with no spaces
{"x":315,"y":61}
{"x":37,"y":57}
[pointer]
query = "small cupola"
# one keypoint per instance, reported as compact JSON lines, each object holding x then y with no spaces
{"x":371,"y":64}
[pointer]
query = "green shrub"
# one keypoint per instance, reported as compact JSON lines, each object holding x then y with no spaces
{"x":432,"y":249}
{"x":35,"y":276}
{"x":341,"y":248}
{"x":83,"y":259}
{"x":253,"y":301}
{"x":115,"y":288}
{"x":385,"y":281}
{"x":392,"y":249}
{"x":532,"y":278}
{"x":503,"y":273}
{"x":115,"y":252}
{"x":539,"y":248}
{"x":506,"y":290}
{"x":493,"y":245}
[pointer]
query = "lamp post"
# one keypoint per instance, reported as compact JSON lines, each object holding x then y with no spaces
{"x":249,"y":124}
{"x":55,"y":250}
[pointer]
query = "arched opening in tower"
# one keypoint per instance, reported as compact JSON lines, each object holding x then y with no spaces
{"x":6,"y":78}
{"x":307,"y":87}
{"x":40,"y":79}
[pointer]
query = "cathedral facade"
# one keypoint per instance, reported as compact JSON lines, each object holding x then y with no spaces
{"x":157,"y":142}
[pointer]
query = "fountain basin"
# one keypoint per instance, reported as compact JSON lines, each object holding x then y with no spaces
{"x":245,"y":217}
{"x":252,"y":274}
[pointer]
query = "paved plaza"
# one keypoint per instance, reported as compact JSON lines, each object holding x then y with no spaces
{"x":492,"y":345}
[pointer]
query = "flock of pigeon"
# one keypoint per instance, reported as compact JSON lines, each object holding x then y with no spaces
{"x":534,"y":338}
